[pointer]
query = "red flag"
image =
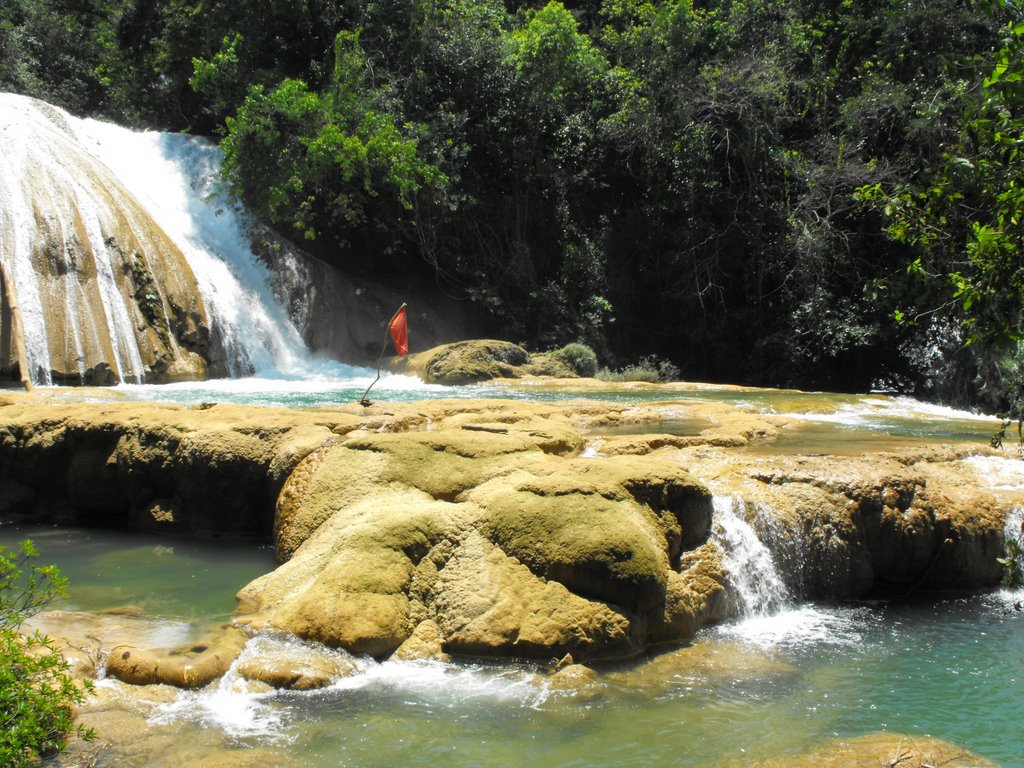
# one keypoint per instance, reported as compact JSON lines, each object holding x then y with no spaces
{"x":399,"y":331}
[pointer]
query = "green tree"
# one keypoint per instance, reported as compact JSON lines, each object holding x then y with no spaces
{"x":328,"y":163}
{"x":37,"y":694}
{"x":965,"y":226}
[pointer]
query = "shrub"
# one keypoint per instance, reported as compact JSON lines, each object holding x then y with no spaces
{"x":579,"y":357}
{"x":648,"y":368}
{"x":37,"y":693}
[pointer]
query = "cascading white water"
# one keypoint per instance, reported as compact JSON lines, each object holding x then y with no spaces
{"x":757,"y":586}
{"x":29,"y":132}
{"x":124,"y":260}
{"x":768,"y":617}
{"x":175,"y":178}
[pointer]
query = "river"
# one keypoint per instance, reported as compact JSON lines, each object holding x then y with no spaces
{"x":781,"y":678}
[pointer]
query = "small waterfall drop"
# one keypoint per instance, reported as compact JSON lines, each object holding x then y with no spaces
{"x":758,"y":589}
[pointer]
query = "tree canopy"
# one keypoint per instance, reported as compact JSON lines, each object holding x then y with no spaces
{"x":818,"y":194}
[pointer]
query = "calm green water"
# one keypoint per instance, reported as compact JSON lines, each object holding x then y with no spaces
{"x":950,"y":669}
{"x":762,"y":687}
{"x":194,"y":581}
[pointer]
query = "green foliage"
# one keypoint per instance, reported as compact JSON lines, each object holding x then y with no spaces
{"x":323,"y":162}
{"x":663,"y":175}
{"x":37,"y":693}
{"x":964,"y":225}
{"x":1013,"y":574}
{"x":579,"y":357}
{"x":221,"y":79}
{"x":650,"y":369}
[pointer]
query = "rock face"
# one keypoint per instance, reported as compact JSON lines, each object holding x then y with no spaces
{"x":467,"y":362}
{"x":185,"y":470}
{"x":485,"y":528}
{"x":490,"y":534}
{"x":890,"y":523}
{"x":341,"y":315}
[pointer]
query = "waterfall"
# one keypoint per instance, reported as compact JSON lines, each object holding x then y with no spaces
{"x":176,"y":179}
{"x":125,"y":260}
{"x":757,"y":586}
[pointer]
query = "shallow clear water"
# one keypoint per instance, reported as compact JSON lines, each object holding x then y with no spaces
{"x":166,"y":577}
{"x":818,"y":423}
{"x":949,"y":669}
{"x":768,"y":686}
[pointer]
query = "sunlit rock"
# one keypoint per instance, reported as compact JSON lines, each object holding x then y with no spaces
{"x":466,"y":362}
{"x":482,"y":528}
{"x":192,"y":665}
{"x":844,"y":526}
{"x":508,"y":548}
{"x":174,"y":469}
{"x":289,"y":664}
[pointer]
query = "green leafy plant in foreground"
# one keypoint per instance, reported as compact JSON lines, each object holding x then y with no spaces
{"x":1013,"y":576}
{"x":37,"y":693}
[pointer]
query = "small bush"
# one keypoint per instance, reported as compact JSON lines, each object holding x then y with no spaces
{"x":37,"y":693}
{"x":649,"y":369}
{"x":579,"y":357}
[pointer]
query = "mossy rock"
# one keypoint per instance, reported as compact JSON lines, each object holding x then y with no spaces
{"x":466,"y":362}
{"x":549,"y":364}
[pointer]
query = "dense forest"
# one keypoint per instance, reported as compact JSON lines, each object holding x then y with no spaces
{"x":823,"y":194}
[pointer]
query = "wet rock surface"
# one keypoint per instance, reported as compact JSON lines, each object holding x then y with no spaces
{"x":498,"y":528}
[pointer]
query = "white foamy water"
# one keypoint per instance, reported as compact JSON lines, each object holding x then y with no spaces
{"x":175,"y":178}
{"x":871,"y":412}
{"x":797,"y":627}
{"x":998,"y":472}
{"x":232,"y":709}
{"x":230,"y":704}
{"x":756,"y":584}
{"x":767,"y":616}
{"x":450,"y":684}
{"x":274,"y":389}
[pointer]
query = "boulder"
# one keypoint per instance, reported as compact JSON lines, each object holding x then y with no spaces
{"x":882,"y":749}
{"x":190,"y":666}
{"x":467,"y":362}
{"x":486,"y":542}
{"x":286,"y":664}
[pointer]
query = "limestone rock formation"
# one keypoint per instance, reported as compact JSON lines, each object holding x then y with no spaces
{"x":213,"y":470}
{"x":497,"y":528}
{"x":490,"y":537}
{"x":841,"y":527}
{"x":883,"y":749}
{"x":282,"y":663}
{"x":192,"y":666}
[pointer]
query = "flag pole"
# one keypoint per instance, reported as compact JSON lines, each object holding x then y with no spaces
{"x":363,"y":401}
